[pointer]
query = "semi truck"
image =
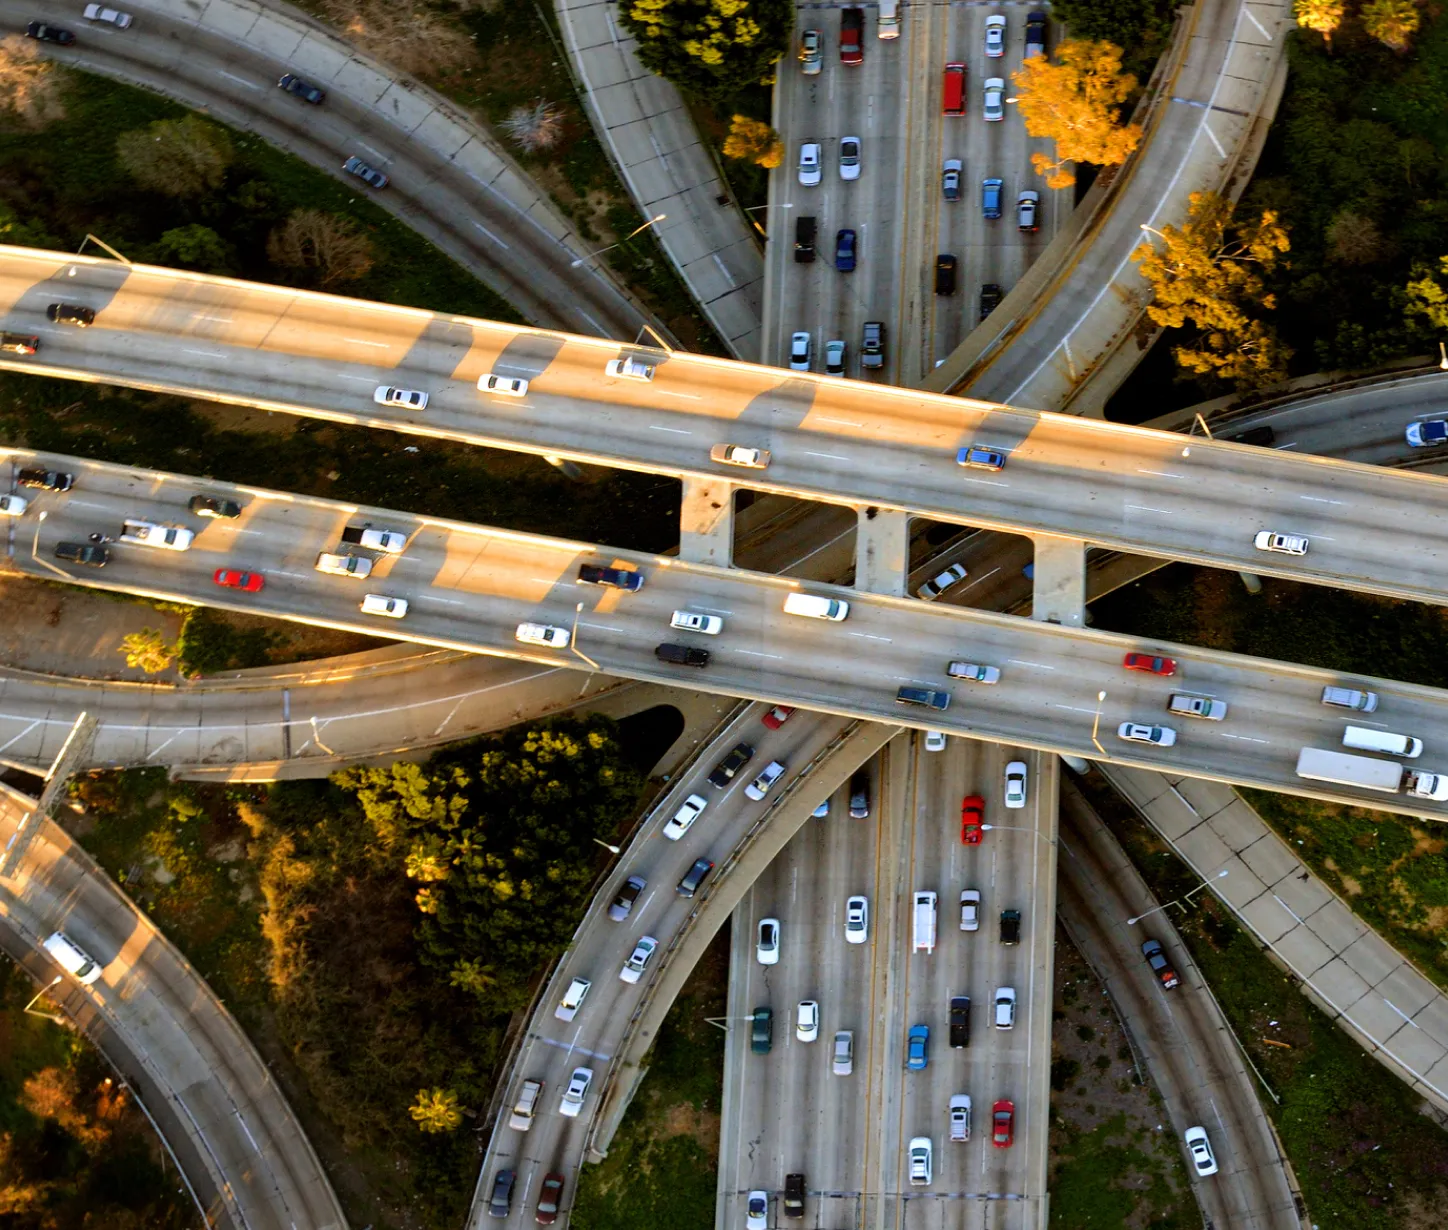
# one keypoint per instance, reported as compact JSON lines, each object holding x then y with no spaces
{"x":1318,"y":764}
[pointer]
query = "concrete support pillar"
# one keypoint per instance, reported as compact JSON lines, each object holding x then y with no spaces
{"x":706,"y":522}
{"x":72,"y":753}
{"x":882,"y":551}
{"x":1059,"y":578}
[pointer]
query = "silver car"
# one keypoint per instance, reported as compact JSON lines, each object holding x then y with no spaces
{"x":843,"y":1062}
{"x":939,"y":583}
{"x":572,"y":1101}
{"x":800,"y":347}
{"x":809,"y":163}
{"x":638,"y":961}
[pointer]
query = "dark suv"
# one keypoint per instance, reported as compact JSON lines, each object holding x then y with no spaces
{"x":70,"y":314}
{"x":500,"y":1203}
{"x":990,"y":299}
{"x":694,"y":877}
{"x":48,"y":480}
{"x":681,"y":655}
{"x":872,"y":351}
{"x":1160,"y":966}
{"x":945,"y":274}
{"x":83,"y":553}
{"x":617,"y":578}
{"x":860,"y":796}
{"x":44,"y":32}
{"x":725,"y":770}
{"x":19,"y":343}
{"x":959,"y":1021}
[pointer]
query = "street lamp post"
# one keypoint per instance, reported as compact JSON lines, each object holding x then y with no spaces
{"x":621,"y":242}
{"x":1096,"y":723}
{"x":573,"y":639}
{"x":606,"y":846}
{"x":49,"y":986}
{"x":1131,"y":922}
{"x":1443,"y":359}
{"x":35,"y":541}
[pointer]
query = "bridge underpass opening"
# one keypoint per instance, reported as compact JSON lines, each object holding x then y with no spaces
{"x":997,"y":565}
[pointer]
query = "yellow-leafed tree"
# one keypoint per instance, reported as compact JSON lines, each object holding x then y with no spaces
{"x":1324,"y":16}
{"x":1076,"y":101}
{"x":754,"y":141}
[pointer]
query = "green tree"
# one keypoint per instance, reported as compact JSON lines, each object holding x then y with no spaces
{"x":1392,"y":22}
{"x":185,"y":157}
{"x":1141,"y":27}
{"x":1208,"y":275}
{"x":436,"y":1110}
{"x":714,"y":48}
{"x":148,"y":650}
{"x":1324,"y":16}
{"x":193,"y":247}
{"x":754,"y":141}
{"x":1076,"y":102}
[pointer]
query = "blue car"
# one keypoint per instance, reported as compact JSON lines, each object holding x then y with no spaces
{"x":845,"y":251}
{"x":917,"y":1056}
{"x":990,"y":197}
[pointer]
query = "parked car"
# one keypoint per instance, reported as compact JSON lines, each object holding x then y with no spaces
{"x":234,"y":578}
{"x":111,"y":17}
{"x":857,"y":920}
{"x":623,"y":902}
{"x":298,"y":88}
{"x":940,"y":582}
{"x":845,"y":251}
{"x":1003,"y":1124}
{"x":762,"y":784}
{"x":1201,"y":1150}
{"x":1016,"y":784}
{"x":370,"y":176}
{"x":811,"y":52}
{"x":809,"y":164}
{"x":1153,"y":664}
{"x":972,"y":816}
{"x":408,"y":399}
{"x":1284,"y":544}
{"x":917,"y":1048}
{"x":800,"y":347}
{"x":1137,"y":732}
{"x":44,"y":32}
{"x":689,"y":811}
{"x":849,"y":157}
{"x":1156,"y":958}
{"x":1026,"y":206}
{"x":950,"y":179}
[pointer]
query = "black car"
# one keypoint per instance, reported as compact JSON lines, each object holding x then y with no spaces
{"x":694,"y":877}
{"x":990,"y":299}
{"x":1160,"y":966}
{"x":761,"y":1031}
{"x":19,"y":343}
{"x":70,"y":314}
{"x":500,"y":1203}
{"x":725,"y":770}
{"x":872,"y":347}
{"x":214,"y":506}
{"x":681,"y":655}
{"x":860,"y":796}
{"x":47,"y":480}
{"x":959,"y":1021}
{"x":45,"y":33}
{"x":618,"y":578}
{"x":298,"y":88}
{"x":945,"y":274}
{"x":83,"y":553}
{"x":1036,"y":34}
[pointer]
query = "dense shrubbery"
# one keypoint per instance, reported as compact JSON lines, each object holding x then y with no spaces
{"x":713,"y":48}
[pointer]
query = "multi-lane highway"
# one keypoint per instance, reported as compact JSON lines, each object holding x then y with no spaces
{"x":788,"y":1112}
{"x":841,"y":441}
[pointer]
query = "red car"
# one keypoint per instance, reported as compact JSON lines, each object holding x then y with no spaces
{"x":550,"y":1196}
{"x":1151,"y":663}
{"x":233,"y":579}
{"x":777,"y":716}
{"x":972,"y":816}
{"x":1003,"y":1124}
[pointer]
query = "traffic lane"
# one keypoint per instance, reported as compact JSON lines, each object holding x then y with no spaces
{"x":1062,"y":668}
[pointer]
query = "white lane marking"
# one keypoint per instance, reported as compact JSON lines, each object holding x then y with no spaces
{"x":989,"y":482}
{"x":1285,"y":906}
{"x":828,"y":456}
{"x":1243,"y":738}
{"x":247,"y":1130}
{"x":376,"y":153}
{"x":754,"y":653}
{"x":225,"y":320}
{"x":1075,"y":709}
{"x":1145,"y":508}
{"x":1040,"y":666}
{"x":870,"y":636}
{"x":602,"y":627}
{"x":672,"y":393}
{"x":1159,"y":473}
{"x":1282,"y":446}
{"x":210,"y":354}
{"x":250,"y":85}
{"x":643,"y":907}
{"x":360,"y":341}
{"x":598,"y":328}
{"x":1319,"y":499}
{"x":842,"y":422}
{"x":1403,"y":1014}
{"x":979,"y":579}
{"x":678,"y":431}
{"x":574,"y":1049}
{"x":493,"y":237}
{"x":363,"y":379}
{"x":434,"y":598}
{"x":18,"y":737}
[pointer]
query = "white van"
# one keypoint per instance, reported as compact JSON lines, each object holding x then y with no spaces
{"x":1382,"y":741}
{"x":889,"y":21}
{"x":816,"y":607}
{"x":923,"y":933}
{"x":72,"y":958}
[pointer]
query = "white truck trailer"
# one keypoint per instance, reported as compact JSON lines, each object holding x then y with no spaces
{"x":1318,"y":764}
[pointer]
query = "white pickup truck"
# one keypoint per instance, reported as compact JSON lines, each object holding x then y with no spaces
{"x":149,"y":534}
{"x":389,"y":541}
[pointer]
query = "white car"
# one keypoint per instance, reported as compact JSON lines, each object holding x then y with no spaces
{"x":1135,"y":732}
{"x":922,"y":1161}
{"x":973,"y":672}
{"x":807,"y":1021}
{"x":547,"y":635}
{"x":800,"y":346}
{"x":1005,"y":1008}
{"x":688,"y":812}
{"x":380,"y":604}
{"x":13,"y":505}
{"x":935,"y":740}
{"x":756,"y":1211}
{"x":834,"y":358}
{"x":740,"y":455}
{"x":1284,"y":544}
{"x":503,"y":386}
{"x":767,"y":947}
{"x":959,"y":1116}
{"x":995,"y":95}
{"x":572,"y":999}
{"x":760,"y":786}
{"x":849,"y":157}
{"x":572,"y":1101}
{"x":1201,"y":1151}
{"x":638,"y":960}
{"x":693,"y":621}
{"x":995,"y":37}
{"x":1016,"y":784}
{"x":94,"y":12}
{"x":857,"y":920}
{"x":1427,"y":433}
{"x":939,"y":583}
{"x":970,"y":910}
{"x":411,"y":399}
{"x":1026,"y":206}
{"x":809,"y":163}
{"x":629,"y":369}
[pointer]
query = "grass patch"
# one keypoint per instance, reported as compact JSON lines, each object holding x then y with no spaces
{"x":662,"y":1167}
{"x":1362,"y":1148}
{"x":1106,"y":1181}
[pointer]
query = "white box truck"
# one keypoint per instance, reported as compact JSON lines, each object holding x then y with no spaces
{"x":923,"y":928}
{"x":1318,"y":764}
